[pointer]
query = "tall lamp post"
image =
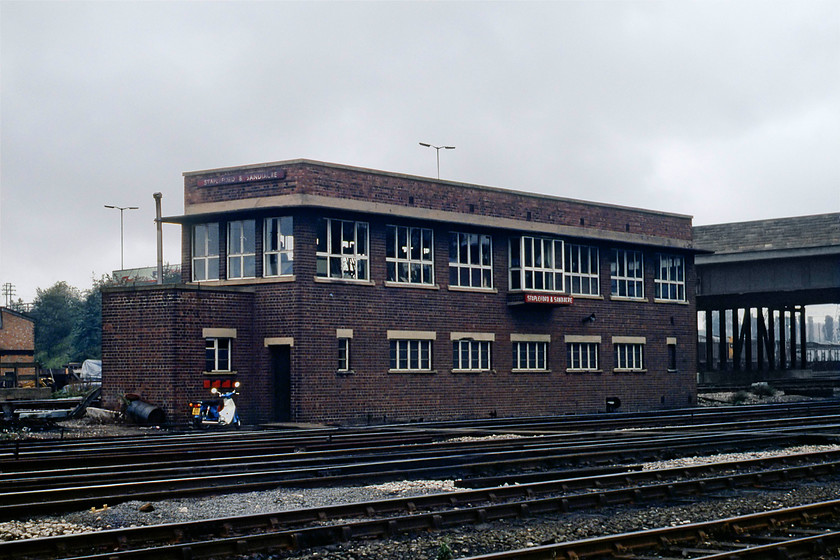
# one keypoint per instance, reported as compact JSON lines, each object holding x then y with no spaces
{"x":122,"y":237}
{"x":437,"y":152}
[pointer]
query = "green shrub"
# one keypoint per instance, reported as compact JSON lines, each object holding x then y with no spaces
{"x":762,"y":389}
{"x":740,"y":397}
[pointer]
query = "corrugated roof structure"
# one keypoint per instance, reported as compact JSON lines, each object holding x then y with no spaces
{"x":779,"y":234}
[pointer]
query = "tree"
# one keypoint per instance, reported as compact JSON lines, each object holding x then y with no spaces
{"x":56,"y":311}
{"x":87,"y":331}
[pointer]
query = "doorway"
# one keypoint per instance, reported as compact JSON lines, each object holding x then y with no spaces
{"x":281,"y":372}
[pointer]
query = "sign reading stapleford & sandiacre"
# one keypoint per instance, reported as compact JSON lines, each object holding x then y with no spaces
{"x":235,"y":178}
{"x":538,"y":298}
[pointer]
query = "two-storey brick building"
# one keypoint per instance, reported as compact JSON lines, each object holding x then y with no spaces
{"x":17,"y":350}
{"x":340,"y":294}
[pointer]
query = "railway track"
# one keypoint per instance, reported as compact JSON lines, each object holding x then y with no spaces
{"x":44,"y":491}
{"x":810,"y":531}
{"x":300,"y":529}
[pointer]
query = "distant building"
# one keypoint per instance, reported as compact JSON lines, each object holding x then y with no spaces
{"x":17,"y":350}
{"x":340,"y":294}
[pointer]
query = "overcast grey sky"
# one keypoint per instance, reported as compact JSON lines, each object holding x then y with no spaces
{"x":726,"y":111}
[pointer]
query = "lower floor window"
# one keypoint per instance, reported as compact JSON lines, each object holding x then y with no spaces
{"x":583,"y":356}
{"x":343,"y":354}
{"x":530,"y":356}
{"x":629,"y":357}
{"x":411,"y":355}
{"x":217,"y":354}
{"x":471,"y":355}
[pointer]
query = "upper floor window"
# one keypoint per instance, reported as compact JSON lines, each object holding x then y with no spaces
{"x":536,"y":263}
{"x":582,"y":270}
{"x":278,"y":247}
{"x":342,"y":249}
{"x":205,"y":252}
{"x":669,"y":282}
{"x":627,"y":274}
{"x":470,"y":260}
{"x":409,"y":255}
{"x":241,"y":249}
{"x":217,"y":354}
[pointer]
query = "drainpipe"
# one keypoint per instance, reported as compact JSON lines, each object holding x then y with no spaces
{"x":159,"y":223}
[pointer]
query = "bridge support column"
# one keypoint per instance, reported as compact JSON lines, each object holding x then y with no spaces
{"x":722,"y":354}
{"x":710,"y":366}
{"x":803,"y":339}
{"x":748,"y":338}
{"x":792,"y":337}
{"x":736,"y":342}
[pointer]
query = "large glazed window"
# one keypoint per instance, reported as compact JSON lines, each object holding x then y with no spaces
{"x":470,"y":260}
{"x":627,"y":274}
{"x":536,"y":264}
{"x":205,"y":252}
{"x":409,"y":255}
{"x":670,"y":278}
{"x":342,"y":249}
{"x":241,"y":248}
{"x":582,"y":270}
{"x":278,"y":247}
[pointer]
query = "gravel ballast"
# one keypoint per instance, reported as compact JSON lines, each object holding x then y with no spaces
{"x":465,"y":541}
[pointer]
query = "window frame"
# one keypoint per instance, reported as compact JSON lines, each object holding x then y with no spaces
{"x":239,"y":254}
{"x":620,"y":274}
{"x":479,"y":355}
{"x":325,"y":257}
{"x":275,"y":238}
{"x":588,"y":276}
{"x":216,"y":349}
{"x":520,"y":271}
{"x":483,"y":268}
{"x":208,"y":259}
{"x":417,"y":257}
{"x":629,"y":357}
{"x":343,"y":365}
{"x":578,"y":351}
{"x":540,"y":356}
{"x":676,"y":265}
{"x":400,"y":348}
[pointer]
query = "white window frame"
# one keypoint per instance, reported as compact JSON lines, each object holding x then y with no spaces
{"x":669,"y":281}
{"x":470,"y":260}
{"x":627,"y":274}
{"x":218,"y":346}
{"x":352,"y":260}
{"x":410,"y":355}
{"x":241,"y":249}
{"x":343,"y":354}
{"x":584,"y":356}
{"x":629,"y":356}
{"x":469,"y":354}
{"x":582,"y":264}
{"x":205,"y":256}
{"x":409,"y":255}
{"x":278,"y":248}
{"x":530,"y":355}
{"x":532,"y":271}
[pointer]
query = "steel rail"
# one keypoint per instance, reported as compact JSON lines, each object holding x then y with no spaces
{"x":24,"y":502}
{"x":31,"y":479}
{"x":422,"y":430}
{"x":283,"y":530}
{"x":627,"y":544}
{"x":216,"y":454}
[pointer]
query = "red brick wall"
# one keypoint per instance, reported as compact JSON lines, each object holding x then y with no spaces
{"x":17,"y":334}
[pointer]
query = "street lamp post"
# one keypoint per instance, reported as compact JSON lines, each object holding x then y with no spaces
{"x":437,"y":152}
{"x":122,"y":237}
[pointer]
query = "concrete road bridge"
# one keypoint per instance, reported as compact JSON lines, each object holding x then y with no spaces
{"x":753,"y":287}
